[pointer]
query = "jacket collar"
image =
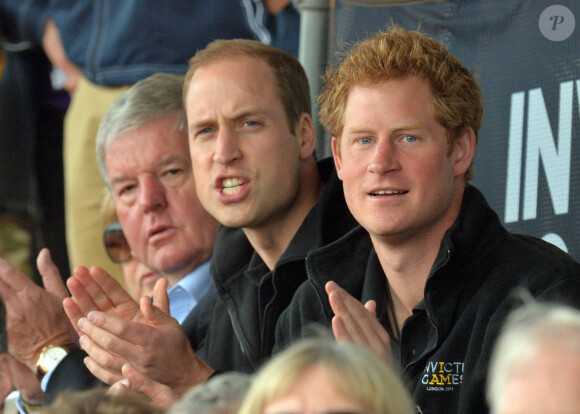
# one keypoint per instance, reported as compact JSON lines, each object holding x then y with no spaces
{"x":328,"y":220}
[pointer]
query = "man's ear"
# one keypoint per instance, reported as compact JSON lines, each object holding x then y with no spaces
{"x":306,"y":136}
{"x":463,"y":151}
{"x":337,"y":158}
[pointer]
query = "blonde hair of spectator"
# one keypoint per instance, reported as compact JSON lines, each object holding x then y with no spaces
{"x":355,"y":372}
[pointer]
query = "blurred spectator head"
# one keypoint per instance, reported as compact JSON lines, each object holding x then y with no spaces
{"x":97,"y":401}
{"x":535,"y":367}
{"x":322,"y":376}
{"x":222,"y":394}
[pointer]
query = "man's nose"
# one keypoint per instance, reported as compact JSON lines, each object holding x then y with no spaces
{"x":384,"y":157}
{"x":151,"y":194}
{"x":227,"y":149}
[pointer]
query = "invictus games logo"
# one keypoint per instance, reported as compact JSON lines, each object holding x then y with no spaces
{"x":557,"y":23}
{"x":442,"y":376}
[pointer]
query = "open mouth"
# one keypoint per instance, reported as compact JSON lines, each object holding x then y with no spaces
{"x":232,"y":185}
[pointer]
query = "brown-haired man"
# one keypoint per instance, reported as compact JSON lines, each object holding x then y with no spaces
{"x":438,"y":269}
{"x":252,"y":148}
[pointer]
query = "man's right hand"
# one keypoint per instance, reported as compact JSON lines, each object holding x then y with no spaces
{"x":34,"y":316}
{"x":356,"y":323}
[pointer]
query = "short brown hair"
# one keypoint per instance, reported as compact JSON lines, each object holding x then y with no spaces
{"x":398,"y":53}
{"x":289,"y":76}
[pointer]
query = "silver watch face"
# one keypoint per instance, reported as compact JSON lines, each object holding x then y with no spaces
{"x":52,"y":356}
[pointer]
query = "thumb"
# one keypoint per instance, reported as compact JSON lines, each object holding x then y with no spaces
{"x":120,"y":388}
{"x":161,"y":395}
{"x":371,"y":306}
{"x":51,"y":278}
{"x":152,"y":313}
{"x":160,"y":297}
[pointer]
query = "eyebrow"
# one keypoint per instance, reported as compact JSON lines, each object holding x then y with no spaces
{"x":237,"y":116}
{"x":163,"y":162}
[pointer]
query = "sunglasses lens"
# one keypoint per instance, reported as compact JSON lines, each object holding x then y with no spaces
{"x":116,"y":244}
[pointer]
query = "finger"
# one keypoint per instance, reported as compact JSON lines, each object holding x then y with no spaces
{"x":114,"y":292}
{"x":155,"y":316}
{"x":51,"y":278}
{"x":110,"y":335}
{"x":14,"y":278}
{"x":7,"y":294}
{"x":120,"y":388}
{"x":25,"y":381}
{"x":5,"y":377}
{"x":73,"y":312}
{"x":371,"y":306}
{"x":105,"y":375}
{"x":161,"y":395}
{"x":160,"y":297}
{"x":339,"y":330}
{"x":360,"y":325}
{"x":86,"y":292}
{"x":330,"y":287}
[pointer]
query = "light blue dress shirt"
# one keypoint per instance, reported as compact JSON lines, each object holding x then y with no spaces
{"x":188,"y":292}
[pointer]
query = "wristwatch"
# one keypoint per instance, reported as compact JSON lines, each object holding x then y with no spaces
{"x":50,"y":357}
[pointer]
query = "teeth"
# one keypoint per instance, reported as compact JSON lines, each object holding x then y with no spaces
{"x":382,"y":192}
{"x":232,"y":185}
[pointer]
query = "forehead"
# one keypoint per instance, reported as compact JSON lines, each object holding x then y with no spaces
{"x":147,"y":147}
{"x":402,"y":99}
{"x":226,"y":80}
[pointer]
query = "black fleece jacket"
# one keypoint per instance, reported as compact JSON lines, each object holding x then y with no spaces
{"x":250,"y":298}
{"x":470,"y":290}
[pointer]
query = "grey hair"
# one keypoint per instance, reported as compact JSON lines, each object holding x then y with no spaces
{"x":222,"y":394}
{"x":150,"y":99}
{"x":526,"y":331}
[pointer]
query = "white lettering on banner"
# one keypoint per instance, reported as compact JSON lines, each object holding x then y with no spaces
{"x":540,"y":143}
{"x":514,"y":165}
{"x":556,"y":240}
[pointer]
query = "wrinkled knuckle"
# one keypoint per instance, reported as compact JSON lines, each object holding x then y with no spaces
{"x":108,"y":343}
{"x":109,"y":361}
{"x":124,"y":330}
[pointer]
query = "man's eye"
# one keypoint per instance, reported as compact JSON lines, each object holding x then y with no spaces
{"x":126,"y":189}
{"x":366,"y":141}
{"x":409,"y":138}
{"x":173,"y":171}
{"x":251,"y":123}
